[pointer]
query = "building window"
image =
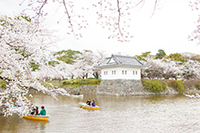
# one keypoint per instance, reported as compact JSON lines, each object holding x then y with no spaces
{"x":113,"y":72}
{"x":133,"y":72}
{"x":125,"y":72}
{"x":105,"y":72}
{"x":122,"y":71}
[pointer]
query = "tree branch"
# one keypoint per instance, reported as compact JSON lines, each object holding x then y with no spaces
{"x":119,"y":20}
{"x":40,"y":9}
{"x":69,"y":18}
{"x":154,"y":8}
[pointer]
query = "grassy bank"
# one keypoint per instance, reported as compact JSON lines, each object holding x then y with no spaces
{"x":72,"y":82}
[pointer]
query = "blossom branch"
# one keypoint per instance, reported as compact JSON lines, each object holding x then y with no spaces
{"x":154,"y":8}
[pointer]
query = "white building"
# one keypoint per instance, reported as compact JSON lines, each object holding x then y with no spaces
{"x":121,"y":67}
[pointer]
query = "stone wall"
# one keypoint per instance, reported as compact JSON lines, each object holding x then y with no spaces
{"x":121,"y":87}
{"x":83,"y":89}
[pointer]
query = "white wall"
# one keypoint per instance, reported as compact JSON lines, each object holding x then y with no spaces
{"x":106,"y":73}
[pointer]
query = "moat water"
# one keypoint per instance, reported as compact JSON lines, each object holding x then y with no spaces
{"x":132,"y":114}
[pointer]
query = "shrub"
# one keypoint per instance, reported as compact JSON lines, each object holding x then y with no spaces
{"x":180,"y":86}
{"x":164,"y":84}
{"x":79,"y":82}
{"x":3,"y":84}
{"x":154,"y":85}
{"x":197,"y":85}
{"x":95,"y":81}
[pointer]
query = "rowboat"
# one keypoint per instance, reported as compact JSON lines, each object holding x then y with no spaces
{"x":85,"y":106}
{"x":77,"y":96}
{"x":36,"y":117}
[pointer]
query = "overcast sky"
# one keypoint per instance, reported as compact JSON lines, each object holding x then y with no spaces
{"x":168,"y":29}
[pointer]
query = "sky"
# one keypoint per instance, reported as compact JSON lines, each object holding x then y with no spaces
{"x":168,"y":29}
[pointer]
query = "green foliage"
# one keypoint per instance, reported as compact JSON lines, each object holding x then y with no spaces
{"x":180,"y":86}
{"x":176,"y":57}
{"x":155,"y":86}
{"x":3,"y":84}
{"x":24,"y":17}
{"x":197,"y":85}
{"x":87,"y":50}
{"x":68,"y":57}
{"x":6,"y":23}
{"x":141,"y":57}
{"x":35,"y":67}
{"x":160,"y":85}
{"x":78,"y":82}
{"x":52,"y":63}
{"x":161,"y":53}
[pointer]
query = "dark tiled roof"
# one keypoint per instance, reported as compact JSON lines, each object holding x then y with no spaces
{"x":120,"y":60}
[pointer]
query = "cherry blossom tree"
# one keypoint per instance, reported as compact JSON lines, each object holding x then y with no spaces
{"x":172,"y":69}
{"x":191,"y":70}
{"x":84,"y":63}
{"x":116,"y":15}
{"x":113,"y":15}
{"x":22,"y":41}
{"x":168,"y":69}
{"x":195,"y":35}
{"x":99,"y":56}
{"x":87,"y":61}
{"x":162,"y":69}
{"x":154,"y":70}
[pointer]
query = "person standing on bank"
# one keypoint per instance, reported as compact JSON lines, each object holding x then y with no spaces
{"x":43,"y":111}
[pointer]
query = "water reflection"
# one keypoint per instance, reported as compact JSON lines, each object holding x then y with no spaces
{"x":139,"y":114}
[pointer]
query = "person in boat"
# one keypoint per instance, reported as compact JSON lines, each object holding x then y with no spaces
{"x":20,"y":104}
{"x":36,"y":110}
{"x":78,"y":93}
{"x":93,"y":103}
{"x":32,"y":109}
{"x":43,"y":111}
{"x":88,"y":102}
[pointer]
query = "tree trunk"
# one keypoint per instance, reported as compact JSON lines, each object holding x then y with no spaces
{"x":96,"y":75}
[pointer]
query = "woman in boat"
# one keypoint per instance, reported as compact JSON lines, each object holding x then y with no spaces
{"x":88,"y":102}
{"x":43,"y":111}
{"x":93,"y":103}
